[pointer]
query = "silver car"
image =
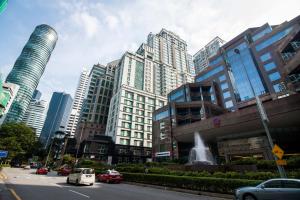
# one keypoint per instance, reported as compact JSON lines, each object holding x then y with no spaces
{"x":283,"y":189}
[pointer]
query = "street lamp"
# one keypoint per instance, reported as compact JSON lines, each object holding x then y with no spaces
{"x":263,"y":114}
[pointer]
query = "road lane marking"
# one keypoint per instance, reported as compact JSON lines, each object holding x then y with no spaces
{"x":12,"y":191}
{"x":79,"y":193}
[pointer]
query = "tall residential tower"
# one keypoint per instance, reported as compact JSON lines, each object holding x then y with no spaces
{"x":78,"y":102}
{"x":29,"y":68}
{"x":142,"y":81}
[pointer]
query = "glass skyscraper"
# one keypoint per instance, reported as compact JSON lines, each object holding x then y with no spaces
{"x":29,"y":68}
{"x":57,"y":116}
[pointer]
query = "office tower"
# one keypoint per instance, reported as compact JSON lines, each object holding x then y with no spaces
{"x":8,"y":92}
{"x":201,"y":57}
{"x":77,"y":103}
{"x":29,"y":68}
{"x":35,"y":115}
{"x":95,"y":112}
{"x":36,"y":95}
{"x":57,"y":116}
{"x":265,"y":54}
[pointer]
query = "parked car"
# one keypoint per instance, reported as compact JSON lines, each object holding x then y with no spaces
{"x":84,"y":176}
{"x":42,"y":170}
{"x":110,"y":176}
{"x":26,"y":167}
{"x":273,"y":189}
{"x":33,"y":165}
{"x":64,"y":171}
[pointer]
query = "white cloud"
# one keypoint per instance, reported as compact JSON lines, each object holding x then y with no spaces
{"x":93,"y":31}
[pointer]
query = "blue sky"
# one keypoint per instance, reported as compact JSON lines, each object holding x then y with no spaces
{"x":99,"y":31}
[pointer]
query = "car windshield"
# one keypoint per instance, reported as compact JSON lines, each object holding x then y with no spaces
{"x":88,"y":171}
{"x":113,"y":172}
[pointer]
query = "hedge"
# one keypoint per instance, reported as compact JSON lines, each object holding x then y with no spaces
{"x":209,"y":184}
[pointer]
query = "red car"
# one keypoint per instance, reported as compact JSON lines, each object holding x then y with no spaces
{"x":64,"y":171}
{"x":110,"y":176}
{"x":42,"y":170}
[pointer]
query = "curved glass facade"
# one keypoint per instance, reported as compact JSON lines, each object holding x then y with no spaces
{"x":29,"y":68}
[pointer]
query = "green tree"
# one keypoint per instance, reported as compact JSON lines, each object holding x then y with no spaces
{"x":18,"y":139}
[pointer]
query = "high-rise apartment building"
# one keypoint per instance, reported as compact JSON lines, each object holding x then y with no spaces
{"x":79,"y":96}
{"x":170,"y":61}
{"x":201,"y":61}
{"x":35,"y":115}
{"x":8,"y":92}
{"x":57,"y":116}
{"x":142,"y":82}
{"x":95,"y":111}
{"x":29,"y":68}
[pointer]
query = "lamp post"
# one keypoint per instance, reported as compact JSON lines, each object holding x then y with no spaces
{"x":263,"y":114}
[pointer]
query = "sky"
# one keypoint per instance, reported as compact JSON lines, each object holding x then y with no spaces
{"x":99,"y":31}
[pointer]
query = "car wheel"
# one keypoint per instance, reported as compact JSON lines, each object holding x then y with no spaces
{"x":107,"y":181}
{"x":77,"y":182}
{"x":68,"y":181}
{"x":249,"y":197}
{"x":91,"y":184}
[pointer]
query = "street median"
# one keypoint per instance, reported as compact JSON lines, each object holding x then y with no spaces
{"x":206,"y":184}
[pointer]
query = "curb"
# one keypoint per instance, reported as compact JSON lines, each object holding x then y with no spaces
{"x":211,"y":194}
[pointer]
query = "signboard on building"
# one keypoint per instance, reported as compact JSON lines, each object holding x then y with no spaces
{"x":3,"y":154}
{"x":162,"y":154}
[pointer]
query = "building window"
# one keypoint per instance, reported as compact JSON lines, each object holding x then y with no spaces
{"x":278,"y":87}
{"x":124,"y":141}
{"x":129,"y":95}
{"x":126,"y":125}
{"x":222,"y":78}
{"x":139,"y":76}
{"x":226,"y":94}
{"x":269,"y":66}
{"x":125,"y":133}
{"x":265,"y":57}
{"x":228,"y":104}
{"x":224,"y":86}
{"x":274,"y":76}
{"x":262,"y":33}
{"x":210,"y":73}
{"x":273,"y":39}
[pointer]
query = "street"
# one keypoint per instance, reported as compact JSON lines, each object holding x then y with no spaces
{"x":29,"y":186}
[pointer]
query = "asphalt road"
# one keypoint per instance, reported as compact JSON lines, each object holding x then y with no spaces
{"x":29,"y":186}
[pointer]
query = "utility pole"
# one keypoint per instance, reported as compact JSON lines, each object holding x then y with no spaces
{"x":263,"y":115}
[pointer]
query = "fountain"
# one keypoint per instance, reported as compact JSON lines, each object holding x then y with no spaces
{"x":200,"y":154}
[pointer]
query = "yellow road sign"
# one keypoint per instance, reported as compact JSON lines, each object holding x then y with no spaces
{"x":281,"y":162}
{"x":278,"y":151}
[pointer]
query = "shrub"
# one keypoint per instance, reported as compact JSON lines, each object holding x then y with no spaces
{"x":260,"y":175}
{"x":210,"y":184}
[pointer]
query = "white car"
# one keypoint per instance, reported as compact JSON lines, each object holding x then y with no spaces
{"x":85,"y":176}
